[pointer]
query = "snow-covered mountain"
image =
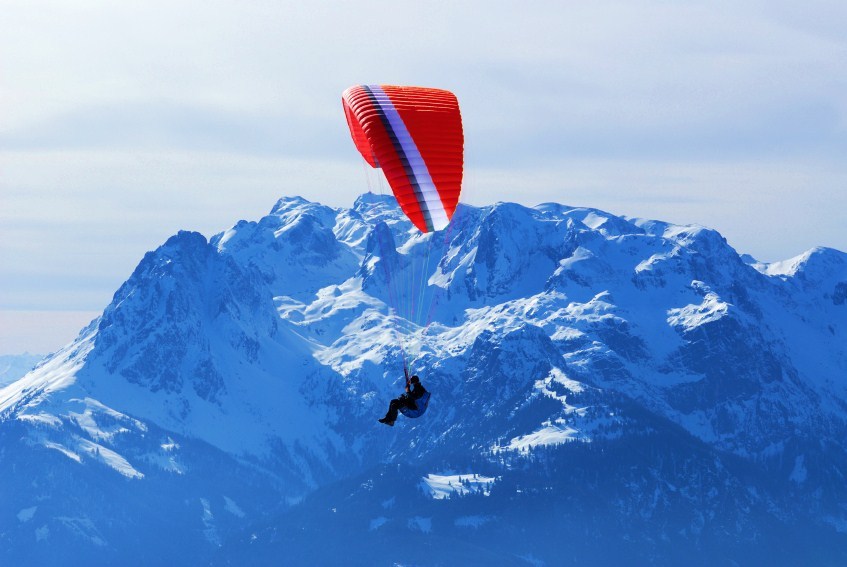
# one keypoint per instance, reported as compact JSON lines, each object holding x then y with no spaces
{"x":605,"y":389}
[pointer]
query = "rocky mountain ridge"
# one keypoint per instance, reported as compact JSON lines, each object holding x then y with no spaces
{"x":634,"y":376}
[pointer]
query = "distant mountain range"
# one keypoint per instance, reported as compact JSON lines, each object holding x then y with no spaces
{"x":605,"y":390}
{"x":14,"y":366}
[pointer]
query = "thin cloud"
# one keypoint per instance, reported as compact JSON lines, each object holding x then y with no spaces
{"x":156,"y":117}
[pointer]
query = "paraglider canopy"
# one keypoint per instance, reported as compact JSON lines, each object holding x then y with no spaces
{"x":415,"y":135}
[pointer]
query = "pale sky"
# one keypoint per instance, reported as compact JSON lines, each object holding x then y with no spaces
{"x":123,"y":123}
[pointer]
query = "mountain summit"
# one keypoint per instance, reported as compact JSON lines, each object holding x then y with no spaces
{"x":604,"y":389}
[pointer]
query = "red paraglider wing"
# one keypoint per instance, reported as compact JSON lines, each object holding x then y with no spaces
{"x":415,"y":135}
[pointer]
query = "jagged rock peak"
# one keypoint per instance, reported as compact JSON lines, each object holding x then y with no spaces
{"x":285,"y":204}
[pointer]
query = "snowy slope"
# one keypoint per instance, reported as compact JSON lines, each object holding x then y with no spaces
{"x":637,"y":366}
